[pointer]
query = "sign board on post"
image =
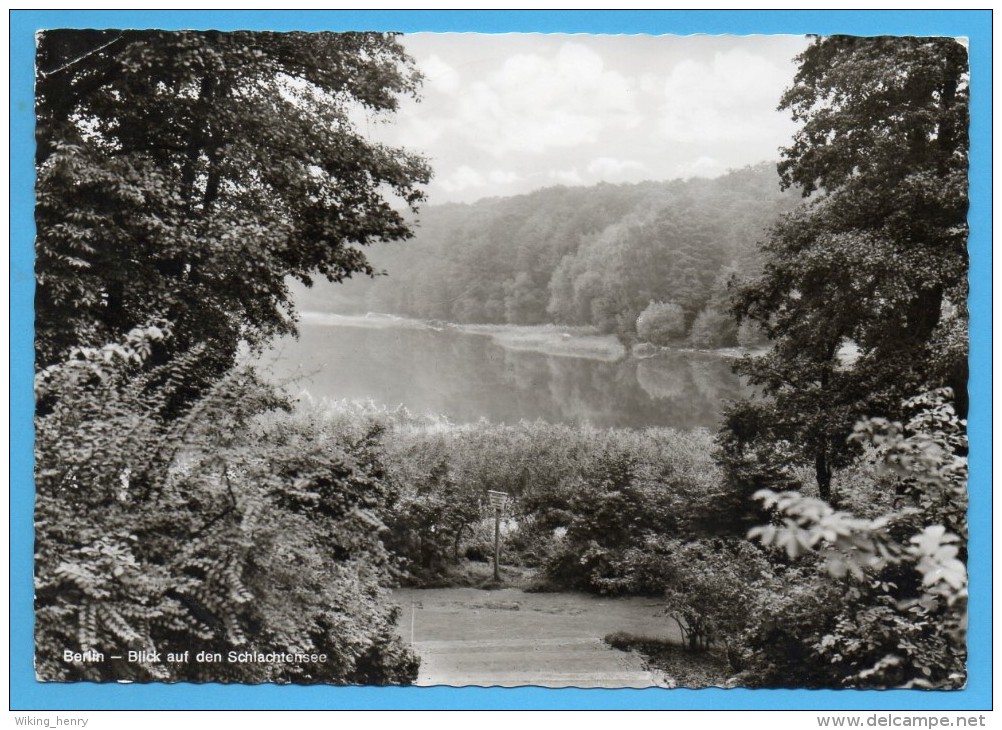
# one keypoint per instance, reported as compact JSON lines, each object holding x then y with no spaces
{"x":498,"y":500}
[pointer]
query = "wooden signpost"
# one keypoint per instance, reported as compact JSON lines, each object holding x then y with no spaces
{"x":498,"y":500}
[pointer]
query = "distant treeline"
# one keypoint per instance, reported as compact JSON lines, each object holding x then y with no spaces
{"x":594,"y":256}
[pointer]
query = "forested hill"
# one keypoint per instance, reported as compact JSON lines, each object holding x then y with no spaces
{"x":578,"y":256}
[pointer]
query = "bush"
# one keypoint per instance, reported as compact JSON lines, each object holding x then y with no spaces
{"x":661,"y":323}
{"x":479,"y":553}
{"x":752,"y":458}
{"x":785,"y":624}
{"x":430,"y":516}
{"x":641,"y":486}
{"x":215,"y":531}
{"x":904,"y":573}
{"x":713,"y":329}
{"x":574,"y":492}
{"x":708,"y":587}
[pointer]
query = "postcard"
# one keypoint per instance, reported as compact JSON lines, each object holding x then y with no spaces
{"x":445,"y":360}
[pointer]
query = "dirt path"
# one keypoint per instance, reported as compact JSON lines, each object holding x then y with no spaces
{"x":508,"y":638}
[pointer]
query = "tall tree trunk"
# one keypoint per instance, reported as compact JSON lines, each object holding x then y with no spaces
{"x":823,"y":473}
{"x":197,"y":137}
{"x":455,"y":544}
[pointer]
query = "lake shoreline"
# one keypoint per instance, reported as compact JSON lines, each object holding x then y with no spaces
{"x":548,"y":338}
{"x":501,"y":373}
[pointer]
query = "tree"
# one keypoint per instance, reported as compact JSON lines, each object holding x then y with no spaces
{"x":182,"y":179}
{"x":661,"y":323}
{"x":709,"y":586}
{"x":876,"y":258}
{"x":904,"y":572}
{"x":577,"y":256}
{"x":750,"y":335}
{"x":525,"y":300}
{"x":713,"y":328}
{"x":183,"y":176}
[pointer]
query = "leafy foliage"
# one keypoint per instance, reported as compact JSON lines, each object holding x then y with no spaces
{"x":876,"y":258}
{"x":185,"y":175}
{"x":575,"y":256}
{"x":863,"y":296}
{"x":583,"y":502}
{"x":181,"y":178}
{"x":906,"y":623}
{"x":708,"y":588}
{"x":661,"y":323}
{"x":433,"y":511}
{"x":713,"y":328}
{"x":786,"y":623}
{"x":205,"y":541}
{"x":752,"y":457}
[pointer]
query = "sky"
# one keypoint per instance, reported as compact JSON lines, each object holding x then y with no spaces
{"x":508,"y":114}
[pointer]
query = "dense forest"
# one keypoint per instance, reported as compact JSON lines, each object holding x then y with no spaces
{"x":598,"y":256}
{"x":818,"y":539}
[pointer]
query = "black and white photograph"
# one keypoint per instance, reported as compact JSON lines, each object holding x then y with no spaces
{"x":501,"y":360}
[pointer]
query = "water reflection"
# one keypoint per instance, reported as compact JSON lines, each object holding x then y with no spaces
{"x":471,"y":376}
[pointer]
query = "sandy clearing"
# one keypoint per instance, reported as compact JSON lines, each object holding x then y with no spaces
{"x":507,"y":638}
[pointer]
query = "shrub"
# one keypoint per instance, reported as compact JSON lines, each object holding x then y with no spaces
{"x":905,"y":623}
{"x":712,"y":329}
{"x":642,"y":485}
{"x":661,"y":323}
{"x":785,"y":623}
{"x":215,"y":531}
{"x":574,"y":493}
{"x":430,"y":516}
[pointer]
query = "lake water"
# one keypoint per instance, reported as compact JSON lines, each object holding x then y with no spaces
{"x":502,"y":373}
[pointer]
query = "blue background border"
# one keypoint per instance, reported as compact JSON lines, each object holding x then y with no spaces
{"x":26,"y":693}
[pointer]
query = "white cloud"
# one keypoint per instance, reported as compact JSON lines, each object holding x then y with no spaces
{"x":440,"y":75}
{"x":612,"y":168}
{"x":702,"y":166}
{"x":532,"y":103}
{"x":504,"y":114}
{"x":417,"y":132}
{"x":650,"y":84}
{"x":566,"y":177}
{"x":463,"y":178}
{"x":731,"y":98}
{"x":502,"y":177}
